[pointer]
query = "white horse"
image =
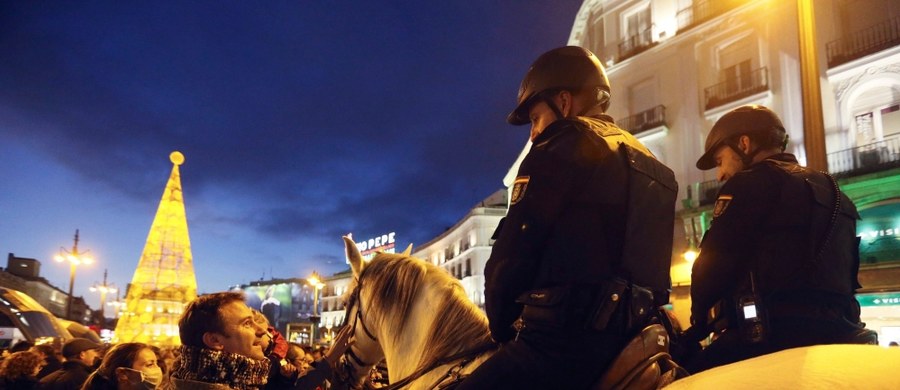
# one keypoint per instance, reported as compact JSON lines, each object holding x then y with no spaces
{"x":416,"y":317}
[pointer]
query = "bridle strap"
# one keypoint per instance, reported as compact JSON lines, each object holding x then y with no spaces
{"x":357,"y":359}
{"x":362,"y":322}
{"x":468,"y":355}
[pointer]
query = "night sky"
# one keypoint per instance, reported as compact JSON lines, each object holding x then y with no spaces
{"x":300,"y":121}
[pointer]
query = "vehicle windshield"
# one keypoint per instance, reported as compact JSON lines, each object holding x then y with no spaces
{"x":38,"y":324}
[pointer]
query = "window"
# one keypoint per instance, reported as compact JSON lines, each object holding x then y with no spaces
{"x":637,"y":21}
{"x":890,"y":120}
{"x":736,"y":64}
{"x":595,"y":39}
{"x":865,"y":133}
{"x":737,"y":77}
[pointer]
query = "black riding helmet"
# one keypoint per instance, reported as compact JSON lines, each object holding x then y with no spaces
{"x":744,"y":120}
{"x":570,"y":68}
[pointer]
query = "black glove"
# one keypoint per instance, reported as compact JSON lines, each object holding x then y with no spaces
{"x":695,"y":334}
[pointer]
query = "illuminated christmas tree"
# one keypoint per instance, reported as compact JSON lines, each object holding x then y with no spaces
{"x":164,"y":280}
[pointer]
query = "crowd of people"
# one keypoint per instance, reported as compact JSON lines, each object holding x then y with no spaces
{"x":226,"y":345}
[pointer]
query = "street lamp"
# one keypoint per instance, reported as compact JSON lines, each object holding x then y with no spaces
{"x":74,"y":258}
{"x":317,"y":285}
{"x":103,"y":289}
{"x":118,"y":305}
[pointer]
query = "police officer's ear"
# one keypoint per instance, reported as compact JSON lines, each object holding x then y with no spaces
{"x":745,"y":144}
{"x":564,"y":100}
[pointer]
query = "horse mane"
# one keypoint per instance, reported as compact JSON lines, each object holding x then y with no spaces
{"x":396,"y":281}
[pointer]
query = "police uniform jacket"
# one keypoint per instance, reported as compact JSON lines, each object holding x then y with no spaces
{"x":569,"y":208}
{"x":773,"y":219}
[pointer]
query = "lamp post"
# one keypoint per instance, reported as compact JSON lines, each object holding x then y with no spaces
{"x":317,"y":285}
{"x":74,"y":258}
{"x":813,"y":126}
{"x":117,"y":305}
{"x":103,"y":289}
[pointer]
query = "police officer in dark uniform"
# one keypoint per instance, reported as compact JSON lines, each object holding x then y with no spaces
{"x":581,"y":261}
{"x":778,"y":267}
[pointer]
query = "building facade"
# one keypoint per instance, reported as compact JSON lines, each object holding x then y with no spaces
{"x":463,"y":250}
{"x":24,"y":274}
{"x":676,"y":66}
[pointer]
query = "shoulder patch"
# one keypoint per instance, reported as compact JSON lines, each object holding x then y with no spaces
{"x":721,"y":204}
{"x":518,"y":190}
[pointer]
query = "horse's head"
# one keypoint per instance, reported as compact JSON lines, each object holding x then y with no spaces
{"x":410,"y":312}
{"x":360,"y":302}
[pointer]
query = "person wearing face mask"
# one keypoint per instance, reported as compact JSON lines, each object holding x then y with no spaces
{"x":127,"y":366}
{"x":778,"y":267}
{"x":80,"y":355}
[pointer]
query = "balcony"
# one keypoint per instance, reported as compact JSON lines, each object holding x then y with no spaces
{"x":702,"y":194}
{"x":862,"y":43}
{"x":874,"y":157}
{"x":635,"y":44}
{"x":736,"y":88}
{"x":702,"y":11}
{"x":644,"y":121}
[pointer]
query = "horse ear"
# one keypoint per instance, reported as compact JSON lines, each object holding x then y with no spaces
{"x":353,"y":255}
{"x":408,"y":251}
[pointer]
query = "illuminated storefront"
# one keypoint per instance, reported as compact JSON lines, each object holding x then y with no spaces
{"x":879,"y":250}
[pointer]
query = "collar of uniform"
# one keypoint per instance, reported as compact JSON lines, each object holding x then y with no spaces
{"x":554,"y":129}
{"x":783,"y":157}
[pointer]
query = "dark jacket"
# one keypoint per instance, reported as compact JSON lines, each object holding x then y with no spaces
{"x":18,"y":384}
{"x":71,"y":376}
{"x":52,"y":364}
{"x":773,"y":219}
{"x":590,"y":203}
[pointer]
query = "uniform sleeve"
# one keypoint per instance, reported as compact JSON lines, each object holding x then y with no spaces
{"x":544,"y":186}
{"x":727,"y":248}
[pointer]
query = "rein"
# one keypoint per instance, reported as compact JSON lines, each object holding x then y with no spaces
{"x":452,"y":373}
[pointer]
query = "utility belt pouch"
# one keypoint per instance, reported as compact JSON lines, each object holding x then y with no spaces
{"x":544,"y":305}
{"x":640,"y":305}
{"x":604,"y":306}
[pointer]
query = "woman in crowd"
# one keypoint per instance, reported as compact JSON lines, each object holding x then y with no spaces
{"x":19,"y":370}
{"x":126,"y":366}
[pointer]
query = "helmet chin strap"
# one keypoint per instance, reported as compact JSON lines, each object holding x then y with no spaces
{"x":552,"y":105}
{"x":747,"y":159}
{"x":602,"y":97}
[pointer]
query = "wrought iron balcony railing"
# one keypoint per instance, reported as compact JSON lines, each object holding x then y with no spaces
{"x":736,"y":88}
{"x":874,"y":157}
{"x":645,"y":120}
{"x":703,"y":10}
{"x":862,"y":43}
{"x":703,"y":193}
{"x":635,"y":44}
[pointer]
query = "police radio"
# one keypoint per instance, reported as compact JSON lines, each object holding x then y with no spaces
{"x":751,"y":310}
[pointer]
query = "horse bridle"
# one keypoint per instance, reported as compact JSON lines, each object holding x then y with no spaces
{"x":357,"y":319}
{"x":355,"y":301}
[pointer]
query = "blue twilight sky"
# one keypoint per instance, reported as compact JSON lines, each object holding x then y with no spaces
{"x":299,"y":121}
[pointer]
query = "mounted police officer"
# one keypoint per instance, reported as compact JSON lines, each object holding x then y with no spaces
{"x":581,"y":261}
{"x":778,"y":267}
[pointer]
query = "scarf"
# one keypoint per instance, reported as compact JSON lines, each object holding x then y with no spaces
{"x":211,"y":366}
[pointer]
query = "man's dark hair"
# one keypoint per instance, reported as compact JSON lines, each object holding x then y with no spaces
{"x":202,"y":315}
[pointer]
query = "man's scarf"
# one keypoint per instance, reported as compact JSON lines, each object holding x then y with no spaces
{"x":210,"y":366}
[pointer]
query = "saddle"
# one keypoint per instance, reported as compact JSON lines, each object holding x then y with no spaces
{"x":644,"y":363}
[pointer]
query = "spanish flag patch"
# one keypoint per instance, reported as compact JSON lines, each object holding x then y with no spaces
{"x":721,"y":204}
{"x":518,"y":190}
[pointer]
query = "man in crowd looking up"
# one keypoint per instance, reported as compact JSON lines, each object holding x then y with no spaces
{"x":81,"y":355}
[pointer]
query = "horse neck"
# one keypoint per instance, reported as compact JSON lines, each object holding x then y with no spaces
{"x":403,"y":354}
